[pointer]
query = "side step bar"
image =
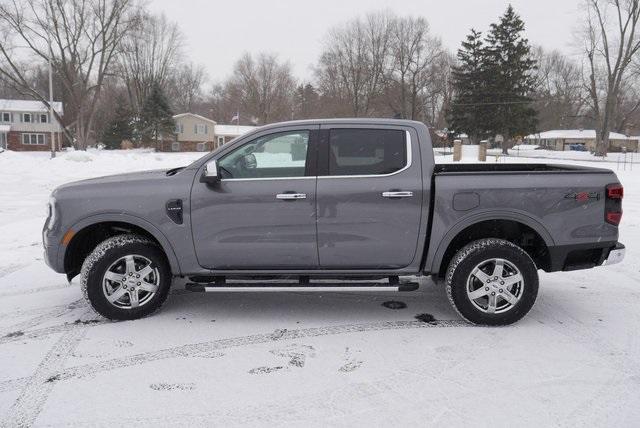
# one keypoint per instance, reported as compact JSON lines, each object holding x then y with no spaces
{"x":319,"y":287}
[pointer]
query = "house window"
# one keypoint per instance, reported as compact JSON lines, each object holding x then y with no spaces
{"x":220,"y":141}
{"x":43,"y":118}
{"x":201,"y":147}
{"x":175,"y":146}
{"x":6,"y":117}
{"x":26,"y":118}
{"x":200,"y":128}
{"x":33,"y":139}
{"x":179,"y":128}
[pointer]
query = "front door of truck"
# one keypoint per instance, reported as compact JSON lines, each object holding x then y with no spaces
{"x":261,"y":214}
{"x":369,"y":197}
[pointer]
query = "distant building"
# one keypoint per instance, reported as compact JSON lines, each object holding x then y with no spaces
{"x":26,"y":125}
{"x":198,"y":133}
{"x":563,"y":139}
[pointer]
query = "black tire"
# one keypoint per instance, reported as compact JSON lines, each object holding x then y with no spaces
{"x":108,"y":252}
{"x":484,"y":251}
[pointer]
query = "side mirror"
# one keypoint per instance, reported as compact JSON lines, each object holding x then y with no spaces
{"x":210,"y":174}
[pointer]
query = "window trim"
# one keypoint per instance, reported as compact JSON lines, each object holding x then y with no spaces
{"x":404,"y":168}
{"x":30,"y":118}
{"x":309,"y":161}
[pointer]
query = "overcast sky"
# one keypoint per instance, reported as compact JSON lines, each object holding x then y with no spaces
{"x":217,"y":32}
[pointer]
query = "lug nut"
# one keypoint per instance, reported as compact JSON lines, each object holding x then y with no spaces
{"x":124,"y":286}
{"x":138,"y":284}
{"x":501,"y":282}
{"x":486,"y":288}
{"x":138,"y":276}
{"x":493,"y":293}
{"x":500,"y":290}
{"x":130,"y":274}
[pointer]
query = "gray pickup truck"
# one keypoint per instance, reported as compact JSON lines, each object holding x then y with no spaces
{"x":297,"y":205}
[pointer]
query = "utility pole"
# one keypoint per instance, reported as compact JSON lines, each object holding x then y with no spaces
{"x":51,"y":117}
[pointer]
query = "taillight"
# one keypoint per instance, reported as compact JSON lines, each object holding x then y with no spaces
{"x":615,"y":191}
{"x":613,"y":204}
{"x":614,"y":218}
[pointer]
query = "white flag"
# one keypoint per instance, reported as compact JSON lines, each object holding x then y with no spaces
{"x":236,"y":117}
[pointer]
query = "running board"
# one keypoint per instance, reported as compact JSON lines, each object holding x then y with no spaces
{"x":326,"y":287}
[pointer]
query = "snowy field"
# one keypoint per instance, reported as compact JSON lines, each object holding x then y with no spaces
{"x":304,"y":359}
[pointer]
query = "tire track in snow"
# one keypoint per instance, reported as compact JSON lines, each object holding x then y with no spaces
{"x":193,"y":350}
{"x":29,"y":403}
{"x":56,"y":312}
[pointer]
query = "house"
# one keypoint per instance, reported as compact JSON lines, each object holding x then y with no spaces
{"x":27,"y":125}
{"x":563,"y":139}
{"x":198,"y":133}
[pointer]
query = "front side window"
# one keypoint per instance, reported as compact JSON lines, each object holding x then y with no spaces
{"x":366,"y":151}
{"x":280,"y":155}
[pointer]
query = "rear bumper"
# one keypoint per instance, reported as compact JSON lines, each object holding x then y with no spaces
{"x":615,"y":256}
{"x":585,"y":256}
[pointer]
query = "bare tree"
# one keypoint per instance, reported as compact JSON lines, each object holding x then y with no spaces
{"x":263,"y":88}
{"x":611,"y":42}
{"x":561,"y":98}
{"x":415,"y":63}
{"x":185,"y":87}
{"x":149,"y":55}
{"x":79,"y":36}
{"x":353,"y":65}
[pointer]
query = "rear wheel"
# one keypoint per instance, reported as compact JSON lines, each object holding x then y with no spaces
{"x":126,"y":277}
{"x":492,"y":282}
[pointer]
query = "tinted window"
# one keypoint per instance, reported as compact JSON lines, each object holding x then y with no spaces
{"x":278,"y":155}
{"x":366,"y":151}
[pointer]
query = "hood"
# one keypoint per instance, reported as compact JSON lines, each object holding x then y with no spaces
{"x":128,"y":178}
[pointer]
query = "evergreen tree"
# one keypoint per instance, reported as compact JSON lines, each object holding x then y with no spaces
{"x":467,"y":113}
{"x":156,"y":118}
{"x":509,"y":68}
{"x":120,"y":128}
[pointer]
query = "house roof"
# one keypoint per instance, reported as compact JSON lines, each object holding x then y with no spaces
{"x":233,"y":130}
{"x":28,"y":106}
{"x":206,"y":119}
{"x":574,"y":134}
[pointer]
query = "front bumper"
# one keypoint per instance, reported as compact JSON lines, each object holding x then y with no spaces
{"x":615,"y":256}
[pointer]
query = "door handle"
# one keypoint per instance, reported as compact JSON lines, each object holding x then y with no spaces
{"x":397,"y":194}
{"x":291,"y":196}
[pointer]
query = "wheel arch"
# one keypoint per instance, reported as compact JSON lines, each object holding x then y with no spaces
{"x":503,"y":225}
{"x":90,"y":231}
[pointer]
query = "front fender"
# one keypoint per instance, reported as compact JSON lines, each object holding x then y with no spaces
{"x":130,"y":219}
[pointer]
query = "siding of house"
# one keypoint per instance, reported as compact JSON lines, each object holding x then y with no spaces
{"x":187,"y":125}
{"x":15,"y":141}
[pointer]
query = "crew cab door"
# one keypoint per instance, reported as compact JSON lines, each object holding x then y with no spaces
{"x":261,"y":213}
{"x":369,"y":197}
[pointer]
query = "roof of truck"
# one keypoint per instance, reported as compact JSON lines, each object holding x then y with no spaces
{"x":347,"y":121}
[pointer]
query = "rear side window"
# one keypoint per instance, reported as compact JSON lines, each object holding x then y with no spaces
{"x":366,"y":151}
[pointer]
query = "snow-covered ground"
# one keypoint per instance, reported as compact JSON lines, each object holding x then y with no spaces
{"x":304,"y":359}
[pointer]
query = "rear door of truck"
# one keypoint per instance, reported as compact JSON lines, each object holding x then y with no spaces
{"x":369,"y":196}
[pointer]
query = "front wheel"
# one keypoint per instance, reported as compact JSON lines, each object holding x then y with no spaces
{"x":126,"y":277}
{"x":492,"y":282}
